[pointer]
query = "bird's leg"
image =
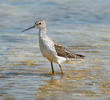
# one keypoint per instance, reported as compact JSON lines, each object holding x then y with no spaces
{"x":52,"y":67}
{"x":61,"y":69}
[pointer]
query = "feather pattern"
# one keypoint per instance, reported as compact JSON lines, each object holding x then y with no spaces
{"x":64,"y":52}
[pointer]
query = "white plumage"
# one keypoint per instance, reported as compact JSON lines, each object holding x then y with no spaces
{"x":47,"y":48}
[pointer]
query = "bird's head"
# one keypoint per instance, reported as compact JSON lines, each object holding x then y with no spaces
{"x":40,"y":24}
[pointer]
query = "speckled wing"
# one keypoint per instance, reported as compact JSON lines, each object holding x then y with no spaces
{"x":64,"y":52}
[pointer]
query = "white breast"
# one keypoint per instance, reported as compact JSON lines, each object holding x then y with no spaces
{"x":47,"y":48}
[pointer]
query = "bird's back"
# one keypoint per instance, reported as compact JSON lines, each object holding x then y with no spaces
{"x":64,"y":52}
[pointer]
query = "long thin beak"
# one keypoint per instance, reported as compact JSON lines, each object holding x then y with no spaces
{"x":29,"y":28}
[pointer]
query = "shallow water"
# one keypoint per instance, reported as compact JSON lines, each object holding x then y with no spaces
{"x":82,"y":25}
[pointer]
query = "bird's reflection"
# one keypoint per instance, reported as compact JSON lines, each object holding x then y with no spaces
{"x":72,"y":84}
{"x":53,"y":86}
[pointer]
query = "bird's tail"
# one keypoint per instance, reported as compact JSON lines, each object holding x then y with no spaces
{"x":79,"y":56}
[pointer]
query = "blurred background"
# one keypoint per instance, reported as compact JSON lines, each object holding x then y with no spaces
{"x":82,"y":25}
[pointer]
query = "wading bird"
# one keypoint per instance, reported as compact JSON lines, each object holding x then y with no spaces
{"x":53,"y":51}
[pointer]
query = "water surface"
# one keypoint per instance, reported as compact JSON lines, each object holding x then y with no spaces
{"x":82,"y":25}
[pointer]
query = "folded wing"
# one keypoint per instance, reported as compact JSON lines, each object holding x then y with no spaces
{"x":64,"y":52}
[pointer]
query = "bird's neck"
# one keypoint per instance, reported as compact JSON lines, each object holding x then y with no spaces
{"x":42,"y":32}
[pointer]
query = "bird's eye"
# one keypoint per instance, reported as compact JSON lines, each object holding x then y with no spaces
{"x":39,"y":23}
